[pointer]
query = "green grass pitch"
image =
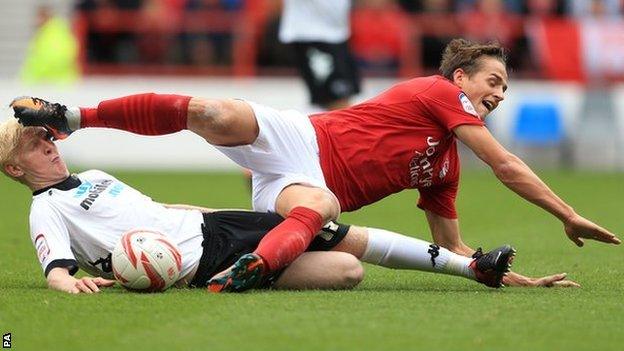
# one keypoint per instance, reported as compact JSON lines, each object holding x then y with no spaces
{"x":390,"y":310}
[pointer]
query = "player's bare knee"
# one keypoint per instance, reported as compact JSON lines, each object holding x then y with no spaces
{"x":352,"y":272}
{"x":205,"y":115}
{"x":324,"y":203}
{"x":301,"y":195}
{"x":222,"y":122}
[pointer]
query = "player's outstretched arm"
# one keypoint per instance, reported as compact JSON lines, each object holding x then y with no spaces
{"x":60,"y":279}
{"x":549,"y":281}
{"x":445,"y":232}
{"x":517,"y":176}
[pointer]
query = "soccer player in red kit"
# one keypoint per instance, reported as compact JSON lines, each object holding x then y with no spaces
{"x":310,"y":169}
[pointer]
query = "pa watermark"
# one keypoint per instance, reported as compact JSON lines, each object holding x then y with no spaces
{"x":6,"y":341}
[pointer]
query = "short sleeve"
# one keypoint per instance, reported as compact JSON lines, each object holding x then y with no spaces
{"x":50,"y":237}
{"x":439,"y":199}
{"x":446,"y":104}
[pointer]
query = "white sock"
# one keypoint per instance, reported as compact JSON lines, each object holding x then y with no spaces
{"x":398,"y":251}
{"x":73,"y":118}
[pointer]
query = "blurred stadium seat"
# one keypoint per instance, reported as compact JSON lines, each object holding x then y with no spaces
{"x":234,"y":37}
{"x":539,"y":131}
{"x":538,"y":123}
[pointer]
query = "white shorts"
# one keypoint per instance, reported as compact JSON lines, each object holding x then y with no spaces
{"x":285,"y":152}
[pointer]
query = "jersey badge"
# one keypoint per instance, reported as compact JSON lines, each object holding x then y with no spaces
{"x":444,"y":170}
{"x":41,"y":245}
{"x":467,"y":105}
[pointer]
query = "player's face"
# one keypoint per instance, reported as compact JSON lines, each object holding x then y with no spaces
{"x":486,"y":87}
{"x":38,"y":158}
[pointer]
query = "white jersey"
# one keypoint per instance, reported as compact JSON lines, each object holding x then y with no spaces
{"x":315,"y":20}
{"x":82,"y":224}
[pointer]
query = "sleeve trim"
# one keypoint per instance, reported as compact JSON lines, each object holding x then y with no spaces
{"x":70,"y":264}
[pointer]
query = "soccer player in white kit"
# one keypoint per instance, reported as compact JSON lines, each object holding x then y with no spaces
{"x":318,"y":31}
{"x":76,"y":220}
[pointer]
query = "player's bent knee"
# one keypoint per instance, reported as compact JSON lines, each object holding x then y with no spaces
{"x":317,"y":199}
{"x":353,"y":272}
{"x":326,"y":204}
{"x":222,"y":122}
{"x":322,"y":270}
{"x":218,"y":116}
{"x":205,"y":116}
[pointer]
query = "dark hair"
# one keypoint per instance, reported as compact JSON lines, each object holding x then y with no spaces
{"x":464,"y":54}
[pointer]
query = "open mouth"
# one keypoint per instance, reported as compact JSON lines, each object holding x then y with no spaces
{"x":488,"y":105}
{"x":55,"y":159}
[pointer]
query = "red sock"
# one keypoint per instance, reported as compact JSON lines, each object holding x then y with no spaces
{"x":146,"y":114}
{"x":284,"y":243}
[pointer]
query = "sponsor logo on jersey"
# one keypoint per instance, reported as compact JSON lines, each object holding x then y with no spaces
{"x":41,"y":245}
{"x":116,"y":189}
{"x":420,"y":166}
{"x":467,"y":105}
{"x":444,"y":170}
{"x":94,"y":193}
{"x":83,"y":189}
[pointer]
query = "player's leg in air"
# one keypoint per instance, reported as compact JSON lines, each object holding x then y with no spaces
{"x":234,"y":126}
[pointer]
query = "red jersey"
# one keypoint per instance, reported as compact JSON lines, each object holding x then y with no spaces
{"x":400,"y":139}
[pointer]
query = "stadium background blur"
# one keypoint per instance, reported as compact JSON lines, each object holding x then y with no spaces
{"x":565,"y":107}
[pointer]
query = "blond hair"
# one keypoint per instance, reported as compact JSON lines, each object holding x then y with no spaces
{"x":464,"y":54}
{"x":10,"y":135}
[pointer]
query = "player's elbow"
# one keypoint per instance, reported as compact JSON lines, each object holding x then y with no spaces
{"x":507,"y":168}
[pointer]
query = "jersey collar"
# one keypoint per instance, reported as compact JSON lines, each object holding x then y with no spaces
{"x":69,"y":183}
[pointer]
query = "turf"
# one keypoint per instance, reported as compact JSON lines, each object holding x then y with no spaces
{"x":390,"y":310}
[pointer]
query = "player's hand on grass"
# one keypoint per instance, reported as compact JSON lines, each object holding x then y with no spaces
{"x":578,"y":228}
{"x":550,"y":281}
{"x":90,"y":285}
{"x":86,"y":285}
{"x":60,"y":279}
{"x":556,"y":280}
